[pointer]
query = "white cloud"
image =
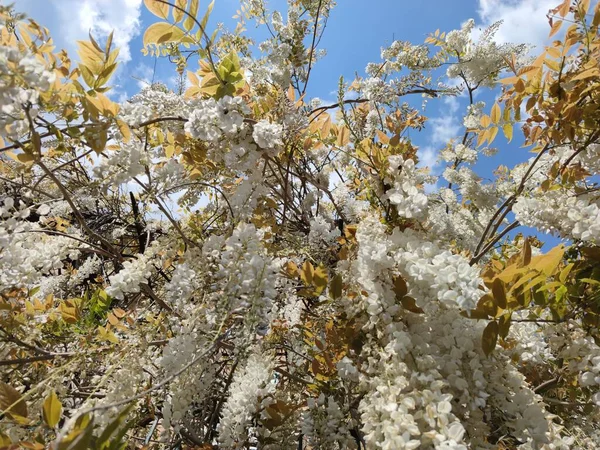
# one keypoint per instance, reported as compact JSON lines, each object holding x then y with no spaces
{"x":428,"y":157}
{"x":71,"y":20}
{"x":524,"y":21}
{"x":443,"y":129}
{"x":143,"y":74}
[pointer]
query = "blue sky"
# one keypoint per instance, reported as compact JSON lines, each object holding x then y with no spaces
{"x":355,"y":33}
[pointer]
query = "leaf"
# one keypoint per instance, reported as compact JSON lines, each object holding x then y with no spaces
{"x":549,"y":262}
{"x":11,"y":402}
{"x":103,"y":441}
{"x":507,"y":129}
{"x":157,"y":8}
{"x":410,"y":304}
{"x":555,"y":27}
{"x":343,"y":136}
{"x":320,"y":279}
{"x":485,"y":121}
{"x":204,"y":20}
{"x":161,"y":32}
{"x":105,"y":75}
{"x":81,"y":436}
{"x":189,"y":21}
{"x":490,"y":337}
{"x":499,"y":292}
{"x":504,"y":325}
{"x":179,"y":12}
{"x":52,"y":410}
{"x":335,"y":287}
{"x":495,"y":114}
{"x":124,"y":129}
{"x":526,"y":252}
{"x":589,"y":73}
{"x":400,"y":287}
{"x":291,"y":269}
{"x":307,"y":273}
{"x":493,"y":131}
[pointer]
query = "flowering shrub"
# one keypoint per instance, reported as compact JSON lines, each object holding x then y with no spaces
{"x":316,"y":287}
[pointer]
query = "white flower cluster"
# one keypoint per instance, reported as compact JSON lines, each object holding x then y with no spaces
{"x":377,"y":90}
{"x":210,"y":119}
{"x":26,"y":253}
{"x":560,"y":212}
{"x":160,"y":102}
{"x":181,"y":286}
{"x":324,"y":424}
{"x":130,"y":277}
{"x":434,"y":273}
{"x":472,"y":119}
{"x":352,"y":208}
{"x":245,"y":276}
{"x":479,"y":62}
{"x":267,"y":135}
{"x":322,"y":232}
{"x":460,"y":153}
{"x":580,"y":353}
{"x":410,"y":201}
{"x":22,"y":77}
{"x":89,"y":267}
{"x":249,"y":387}
{"x":401,"y":55}
{"x":122,"y":165}
{"x":135,"y":113}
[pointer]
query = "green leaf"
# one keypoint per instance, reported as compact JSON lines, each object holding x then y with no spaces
{"x":52,"y":410}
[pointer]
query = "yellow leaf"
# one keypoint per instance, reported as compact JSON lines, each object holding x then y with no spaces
{"x":335,"y":287}
{"x":552,"y":64}
{"x":179,"y":12}
{"x":495,"y":115}
{"x":526,"y":252}
{"x":490,"y":337}
{"x":493,"y":131}
{"x":589,"y":73}
{"x":549,"y":262}
{"x":485,"y":121}
{"x":499,"y":292}
{"x":507,"y":129}
{"x":189,"y":21}
{"x":343,"y":136}
{"x":52,"y":410}
{"x":157,"y":8}
{"x":325,"y":126}
{"x":124,"y":129}
{"x":307,"y":272}
{"x":161,"y":32}
{"x":383,"y":138}
{"x":193,"y":78}
{"x":555,"y":27}
{"x":11,"y":401}
{"x":320,"y":279}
